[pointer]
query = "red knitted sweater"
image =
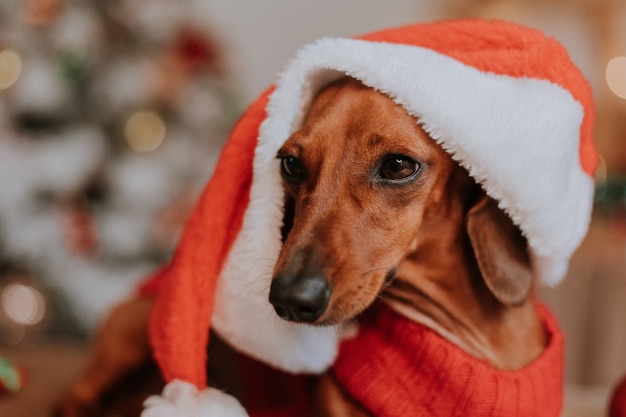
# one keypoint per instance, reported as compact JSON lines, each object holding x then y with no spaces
{"x":397,"y":368}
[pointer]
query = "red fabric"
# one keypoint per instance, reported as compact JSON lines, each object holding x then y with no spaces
{"x":395,"y":367}
{"x":184,"y":304}
{"x":268,"y":392}
{"x":508,"y":49}
{"x":618,"y":400}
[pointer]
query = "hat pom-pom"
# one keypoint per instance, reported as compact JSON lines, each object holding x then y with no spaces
{"x":183,"y":399}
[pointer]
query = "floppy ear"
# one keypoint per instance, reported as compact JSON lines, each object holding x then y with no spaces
{"x":501,"y":252}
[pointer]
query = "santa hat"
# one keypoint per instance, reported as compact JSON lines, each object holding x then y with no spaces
{"x":505,"y":101}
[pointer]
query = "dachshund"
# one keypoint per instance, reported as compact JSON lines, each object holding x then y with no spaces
{"x":380,"y":211}
{"x":376,"y":211}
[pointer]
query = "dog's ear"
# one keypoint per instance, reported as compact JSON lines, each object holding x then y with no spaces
{"x":501,"y":252}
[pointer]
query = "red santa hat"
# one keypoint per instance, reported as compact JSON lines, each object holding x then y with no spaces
{"x":505,"y":101}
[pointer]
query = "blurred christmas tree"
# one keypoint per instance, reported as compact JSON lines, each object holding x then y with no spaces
{"x":111,"y":116}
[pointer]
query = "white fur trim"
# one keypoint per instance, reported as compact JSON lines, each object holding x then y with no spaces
{"x":243,"y":292}
{"x":518,"y":137}
{"x":182,"y":399}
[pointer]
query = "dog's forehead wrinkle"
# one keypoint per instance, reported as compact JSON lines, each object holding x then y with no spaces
{"x":324,"y":98}
{"x":374,"y":139}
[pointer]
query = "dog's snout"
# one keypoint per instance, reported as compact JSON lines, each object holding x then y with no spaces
{"x":301,"y":299}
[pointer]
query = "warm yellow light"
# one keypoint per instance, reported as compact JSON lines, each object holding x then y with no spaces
{"x":23,"y":304}
{"x":616,"y":76}
{"x":10,"y":68}
{"x":144,"y":131}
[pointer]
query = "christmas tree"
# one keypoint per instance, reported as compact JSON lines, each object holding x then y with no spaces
{"x":111,"y":115}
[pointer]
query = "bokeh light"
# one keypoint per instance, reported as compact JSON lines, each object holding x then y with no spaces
{"x":10,"y":68}
{"x":144,"y":131}
{"x":616,"y":76}
{"x":23,"y":304}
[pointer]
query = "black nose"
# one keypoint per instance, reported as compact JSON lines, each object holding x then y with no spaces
{"x":301,"y":299}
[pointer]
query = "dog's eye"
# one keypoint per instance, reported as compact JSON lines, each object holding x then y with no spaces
{"x":398,"y":167}
{"x":291,"y":168}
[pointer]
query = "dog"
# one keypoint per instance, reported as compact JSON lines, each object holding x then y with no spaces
{"x":376,"y":213}
{"x":381,"y":211}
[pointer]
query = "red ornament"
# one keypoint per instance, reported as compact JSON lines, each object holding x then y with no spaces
{"x":42,"y":12}
{"x":79,"y":228}
{"x":196,"y":51}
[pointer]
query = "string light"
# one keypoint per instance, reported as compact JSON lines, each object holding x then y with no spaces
{"x":23,"y":304}
{"x":144,"y":131}
{"x":616,"y":76}
{"x":10,"y":68}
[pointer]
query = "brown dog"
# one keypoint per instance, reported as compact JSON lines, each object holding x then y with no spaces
{"x":377,"y":210}
{"x":380,"y":210}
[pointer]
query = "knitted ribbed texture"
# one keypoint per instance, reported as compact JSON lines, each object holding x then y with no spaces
{"x":395,"y":367}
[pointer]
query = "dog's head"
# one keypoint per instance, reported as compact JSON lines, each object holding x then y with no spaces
{"x":363,"y":181}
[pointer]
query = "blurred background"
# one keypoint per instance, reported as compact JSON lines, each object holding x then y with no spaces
{"x":113,"y":113}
